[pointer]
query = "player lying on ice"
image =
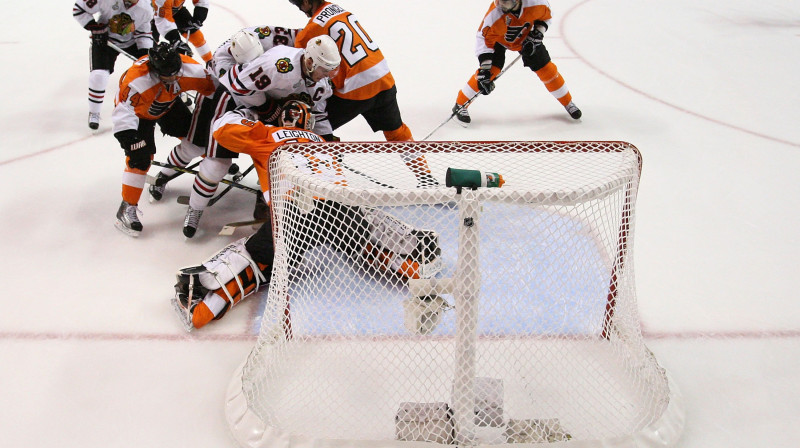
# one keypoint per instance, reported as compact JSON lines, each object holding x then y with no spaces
{"x":369,"y":237}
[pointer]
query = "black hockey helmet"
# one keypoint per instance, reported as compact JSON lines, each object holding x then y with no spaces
{"x":164,"y":59}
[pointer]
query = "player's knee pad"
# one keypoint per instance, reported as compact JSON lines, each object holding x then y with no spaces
{"x":400,"y":248}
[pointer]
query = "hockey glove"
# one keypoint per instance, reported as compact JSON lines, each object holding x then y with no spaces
{"x":485,"y":82}
{"x":174,"y":37}
{"x":135,"y":148}
{"x":534,"y":39}
{"x":199,"y":17}
{"x":99,"y":32}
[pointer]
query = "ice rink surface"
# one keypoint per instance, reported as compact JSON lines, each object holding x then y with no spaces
{"x":92,"y":355}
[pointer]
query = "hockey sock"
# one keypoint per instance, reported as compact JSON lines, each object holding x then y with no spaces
{"x":133,"y":181}
{"x":97,"y":89}
{"x":554,"y":83}
{"x":210,"y":171}
{"x":198,"y":40}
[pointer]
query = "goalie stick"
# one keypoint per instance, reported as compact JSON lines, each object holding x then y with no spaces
{"x":469,"y":101}
{"x":231,"y":227}
{"x":236,"y":177}
{"x":190,"y":171}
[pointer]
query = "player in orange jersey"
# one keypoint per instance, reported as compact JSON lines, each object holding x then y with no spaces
{"x":364,"y":84}
{"x":516,"y":25}
{"x":205,"y":292}
{"x":126,"y":23}
{"x":149,"y":93}
{"x":172,"y":20}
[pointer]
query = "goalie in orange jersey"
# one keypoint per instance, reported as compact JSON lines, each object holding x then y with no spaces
{"x":172,"y":20}
{"x":149,"y":93}
{"x":205,"y":292}
{"x":516,"y":25}
{"x":364,"y":84}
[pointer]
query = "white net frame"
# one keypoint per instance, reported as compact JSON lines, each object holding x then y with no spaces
{"x":538,"y":343}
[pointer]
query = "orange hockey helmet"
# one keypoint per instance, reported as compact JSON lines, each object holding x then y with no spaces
{"x":296,"y":114}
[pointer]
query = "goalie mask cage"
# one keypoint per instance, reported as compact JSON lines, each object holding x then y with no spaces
{"x":532,"y":337}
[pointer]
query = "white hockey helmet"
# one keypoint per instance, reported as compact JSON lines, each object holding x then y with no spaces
{"x":245,"y":46}
{"x":322,"y":52}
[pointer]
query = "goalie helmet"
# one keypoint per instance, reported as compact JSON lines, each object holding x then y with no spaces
{"x":296,"y":114}
{"x":245,"y":46}
{"x":164,"y":59}
{"x":506,"y":5}
{"x":322,"y":52}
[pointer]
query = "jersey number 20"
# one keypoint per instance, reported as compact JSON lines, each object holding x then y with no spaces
{"x":352,"y":51}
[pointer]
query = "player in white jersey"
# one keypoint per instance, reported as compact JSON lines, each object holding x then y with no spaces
{"x":280,"y":74}
{"x":126,"y":23}
{"x":244,"y":41}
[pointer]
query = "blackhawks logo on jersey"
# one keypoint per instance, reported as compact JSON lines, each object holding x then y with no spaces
{"x":121,"y":24}
{"x":263,"y":31}
{"x":284,"y":65}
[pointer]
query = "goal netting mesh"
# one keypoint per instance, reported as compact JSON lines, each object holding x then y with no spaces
{"x":405,"y":312}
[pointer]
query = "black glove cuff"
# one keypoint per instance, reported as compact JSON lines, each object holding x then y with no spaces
{"x":173,"y":36}
{"x":200,"y":14}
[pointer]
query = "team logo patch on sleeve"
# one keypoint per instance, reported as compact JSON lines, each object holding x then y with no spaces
{"x":284,"y":65}
{"x":263,"y":31}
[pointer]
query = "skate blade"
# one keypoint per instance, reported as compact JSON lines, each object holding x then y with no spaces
{"x":130,"y":232}
{"x":185,"y":318}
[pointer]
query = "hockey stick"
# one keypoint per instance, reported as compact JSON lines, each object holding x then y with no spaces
{"x":152,"y":180}
{"x":190,"y":171}
{"x":236,"y":177}
{"x":469,"y":101}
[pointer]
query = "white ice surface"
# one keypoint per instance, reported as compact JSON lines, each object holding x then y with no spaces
{"x":92,"y":356}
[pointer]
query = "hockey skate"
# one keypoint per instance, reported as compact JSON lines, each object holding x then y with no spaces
{"x":94,"y":121}
{"x":157,"y":187}
{"x":462,"y":115}
{"x":188,"y":293}
{"x":573,"y":110}
{"x":128,"y":219}
{"x":191,"y":222}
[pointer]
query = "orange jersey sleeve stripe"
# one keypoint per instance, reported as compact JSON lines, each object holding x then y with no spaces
{"x":509,"y":30}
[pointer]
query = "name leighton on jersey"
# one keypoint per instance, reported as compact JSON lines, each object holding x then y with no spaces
{"x":291,"y":134}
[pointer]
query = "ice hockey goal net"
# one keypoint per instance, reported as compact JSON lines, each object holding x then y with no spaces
{"x":519,"y":324}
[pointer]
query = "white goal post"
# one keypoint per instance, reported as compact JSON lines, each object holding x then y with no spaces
{"x":403,"y":313}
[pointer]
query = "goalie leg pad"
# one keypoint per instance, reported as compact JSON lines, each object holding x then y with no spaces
{"x":398,"y":247}
{"x":207,"y":291}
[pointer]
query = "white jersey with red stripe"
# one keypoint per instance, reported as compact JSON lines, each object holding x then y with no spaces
{"x":268,"y":36}
{"x":109,"y":12}
{"x":277,"y":75}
